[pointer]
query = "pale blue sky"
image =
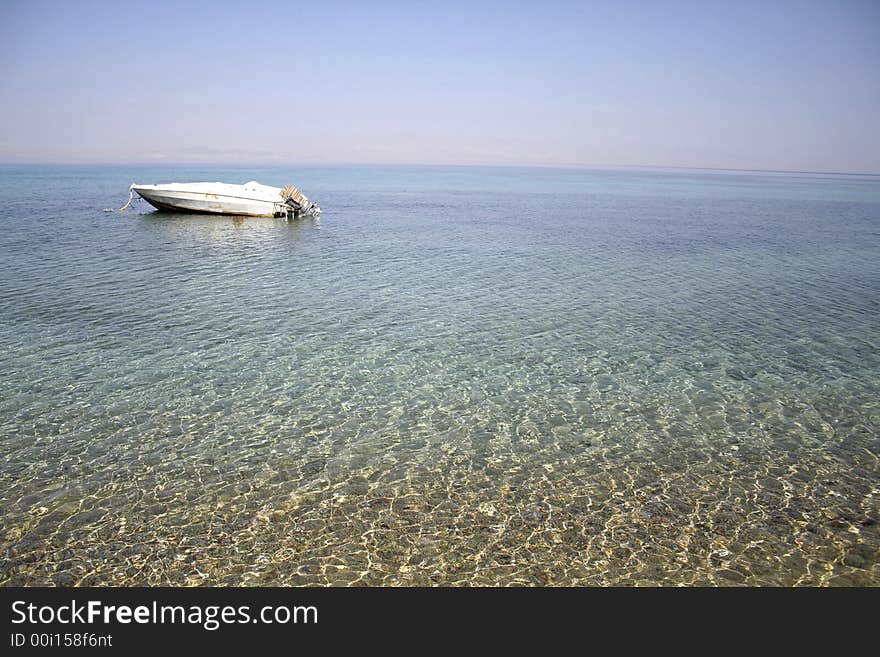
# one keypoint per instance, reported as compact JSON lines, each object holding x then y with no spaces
{"x":737,"y":84}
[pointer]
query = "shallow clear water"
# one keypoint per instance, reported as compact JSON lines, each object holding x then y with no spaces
{"x":456,"y":375}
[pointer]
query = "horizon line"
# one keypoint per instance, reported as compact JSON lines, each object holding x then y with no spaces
{"x":570,"y":166}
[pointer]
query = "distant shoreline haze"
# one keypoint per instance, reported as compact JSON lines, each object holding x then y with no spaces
{"x":369,"y":165}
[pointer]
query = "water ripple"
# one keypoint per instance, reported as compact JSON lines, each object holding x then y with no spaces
{"x":456,"y":376}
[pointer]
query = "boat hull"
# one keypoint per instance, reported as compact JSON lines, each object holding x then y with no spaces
{"x":208,"y":203}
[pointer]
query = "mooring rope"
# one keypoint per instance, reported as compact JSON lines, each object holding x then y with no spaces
{"x":130,"y":197}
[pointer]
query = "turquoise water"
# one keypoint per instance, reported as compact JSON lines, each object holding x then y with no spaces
{"x":455,"y":376}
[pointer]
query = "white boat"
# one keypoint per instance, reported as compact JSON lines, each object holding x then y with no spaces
{"x":251,"y":199}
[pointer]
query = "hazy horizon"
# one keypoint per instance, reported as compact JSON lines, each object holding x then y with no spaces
{"x":227,"y":164}
{"x":794,"y":86}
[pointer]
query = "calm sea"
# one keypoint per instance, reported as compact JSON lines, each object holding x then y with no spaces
{"x":456,"y":376}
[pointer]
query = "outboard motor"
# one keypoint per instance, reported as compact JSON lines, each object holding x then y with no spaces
{"x":298,"y":203}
